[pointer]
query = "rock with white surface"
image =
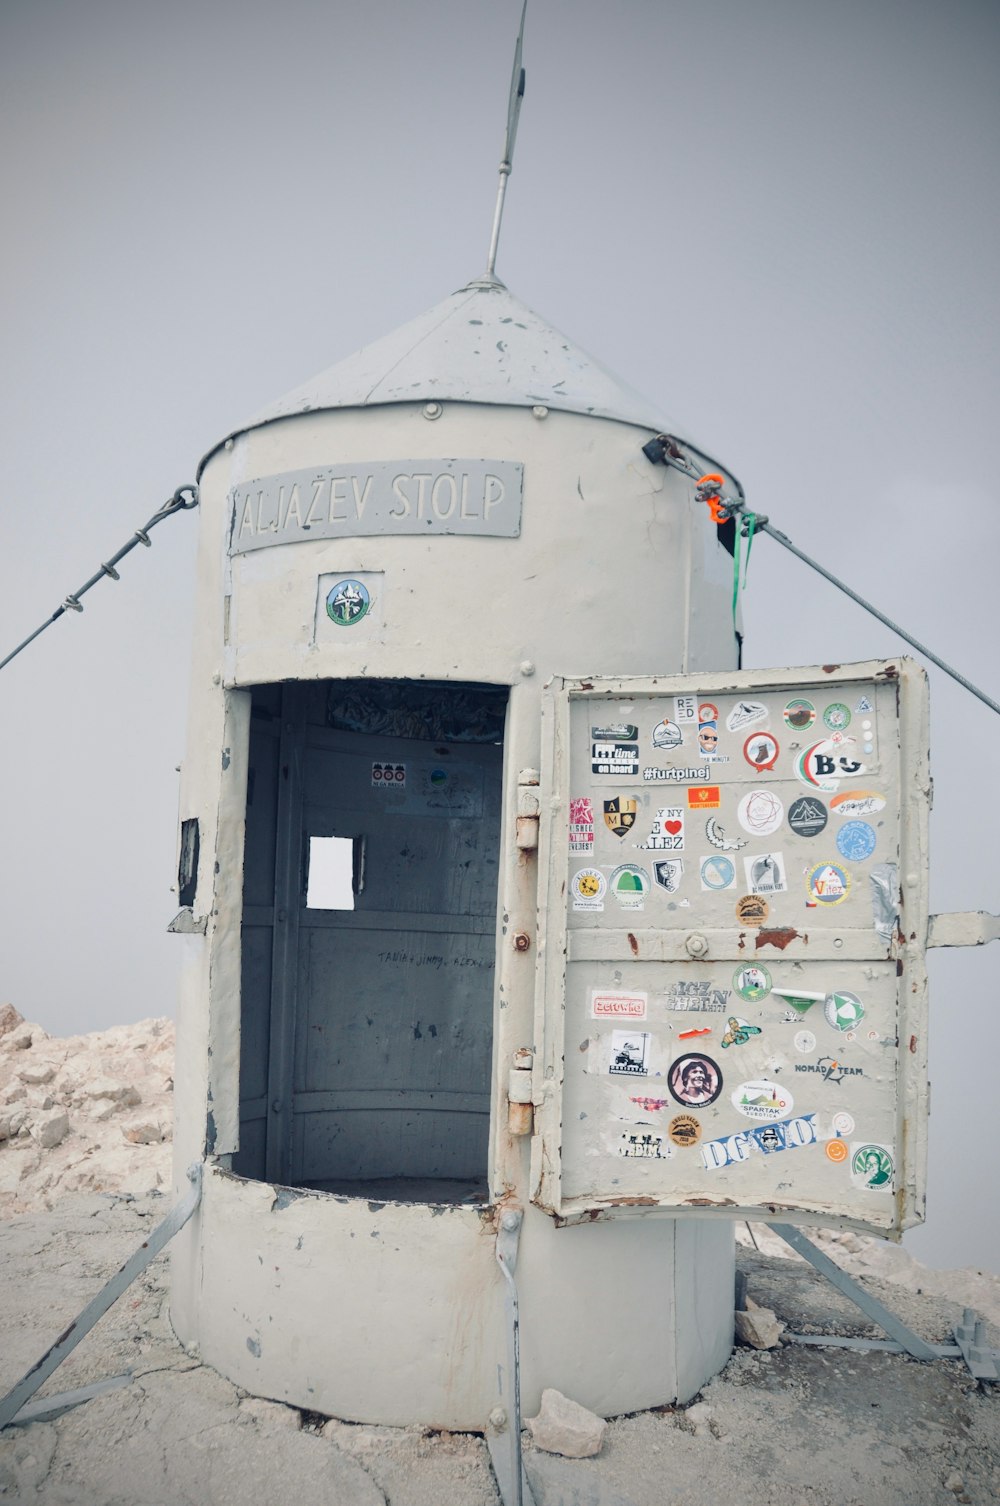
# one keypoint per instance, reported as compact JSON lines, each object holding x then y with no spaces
{"x":564,"y":1427}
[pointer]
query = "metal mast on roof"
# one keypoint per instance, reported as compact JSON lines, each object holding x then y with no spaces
{"x":513,"y":111}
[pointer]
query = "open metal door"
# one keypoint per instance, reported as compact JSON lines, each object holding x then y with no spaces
{"x":731,"y":995}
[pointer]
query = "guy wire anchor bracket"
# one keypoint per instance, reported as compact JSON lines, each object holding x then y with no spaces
{"x":505,"y":1453}
{"x":969,"y":1334}
{"x":12,"y":1406}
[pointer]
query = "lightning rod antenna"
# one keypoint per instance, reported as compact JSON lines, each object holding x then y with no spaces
{"x":513,"y":111}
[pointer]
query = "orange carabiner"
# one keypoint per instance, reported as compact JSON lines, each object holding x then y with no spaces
{"x":708,"y":488}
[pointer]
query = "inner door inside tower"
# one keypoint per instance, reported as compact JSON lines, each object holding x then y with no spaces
{"x":369,"y":926}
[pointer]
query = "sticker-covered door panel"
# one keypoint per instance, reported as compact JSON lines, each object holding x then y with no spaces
{"x":732,"y":1004}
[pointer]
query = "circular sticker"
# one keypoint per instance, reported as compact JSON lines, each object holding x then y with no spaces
{"x":807,"y":816}
{"x":695,"y":1080}
{"x":805,"y":1041}
{"x":347,"y":602}
{"x":760,"y":812}
{"x":717,"y":873}
{"x":828,"y":883}
{"x":762,"y":1100}
{"x":872,"y":1165}
{"x":799,"y":714}
{"x":837,"y":717}
{"x":761,"y":750}
{"x":588,"y":887}
{"x":843,"y":1011}
{"x":752,"y":982}
{"x":836,"y":1150}
{"x":707,"y":712}
{"x":684,"y":1130}
{"x":667,"y":735}
{"x":843,"y":1123}
{"x":856,"y":841}
{"x":629,"y":885}
{"x":752,"y":910}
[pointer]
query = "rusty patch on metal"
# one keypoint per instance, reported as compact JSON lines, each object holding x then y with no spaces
{"x":829,"y":669}
{"x":633,"y":944}
{"x":891,"y":672}
{"x":913,"y":1043}
{"x":779,"y":937}
{"x":899,"y":967}
{"x":711,"y":1202}
{"x":632,"y":1202}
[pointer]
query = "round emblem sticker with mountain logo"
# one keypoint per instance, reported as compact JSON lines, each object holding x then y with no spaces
{"x":807,"y":816}
{"x":347,"y":602}
{"x":752,"y":982}
{"x":630,"y":884}
{"x":799,"y":714}
{"x":828,"y":884}
{"x":667,"y":735}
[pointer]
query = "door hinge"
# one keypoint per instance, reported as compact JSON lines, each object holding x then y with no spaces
{"x":528,"y":810}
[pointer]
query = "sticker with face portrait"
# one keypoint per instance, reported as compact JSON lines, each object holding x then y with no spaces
{"x":695,"y":1080}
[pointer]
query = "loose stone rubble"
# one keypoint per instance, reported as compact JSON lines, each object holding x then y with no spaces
{"x":91,"y":1113}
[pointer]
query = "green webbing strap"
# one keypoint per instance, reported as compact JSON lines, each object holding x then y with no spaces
{"x":750,"y":519}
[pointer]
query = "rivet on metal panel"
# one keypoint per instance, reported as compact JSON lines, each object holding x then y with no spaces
{"x":522,"y":942}
{"x":696,"y":945}
{"x":540,"y":411}
{"x":433,"y":410}
{"x":527,"y":668}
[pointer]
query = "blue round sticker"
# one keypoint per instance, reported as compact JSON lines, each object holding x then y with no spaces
{"x":856,"y":841}
{"x":716,"y":872}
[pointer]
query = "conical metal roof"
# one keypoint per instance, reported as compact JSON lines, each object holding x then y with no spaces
{"x":481,"y":345}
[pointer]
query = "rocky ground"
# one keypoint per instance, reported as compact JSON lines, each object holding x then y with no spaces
{"x":795,"y":1425}
{"x":91,"y":1113}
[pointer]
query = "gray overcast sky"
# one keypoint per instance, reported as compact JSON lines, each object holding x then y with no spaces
{"x":777,"y":218}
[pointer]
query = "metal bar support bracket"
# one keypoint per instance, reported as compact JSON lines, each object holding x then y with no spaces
{"x":503,"y":1433}
{"x":11,"y":1405}
{"x":968,"y":1335}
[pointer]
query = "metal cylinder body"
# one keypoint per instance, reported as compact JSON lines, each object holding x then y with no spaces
{"x":386,"y":1308}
